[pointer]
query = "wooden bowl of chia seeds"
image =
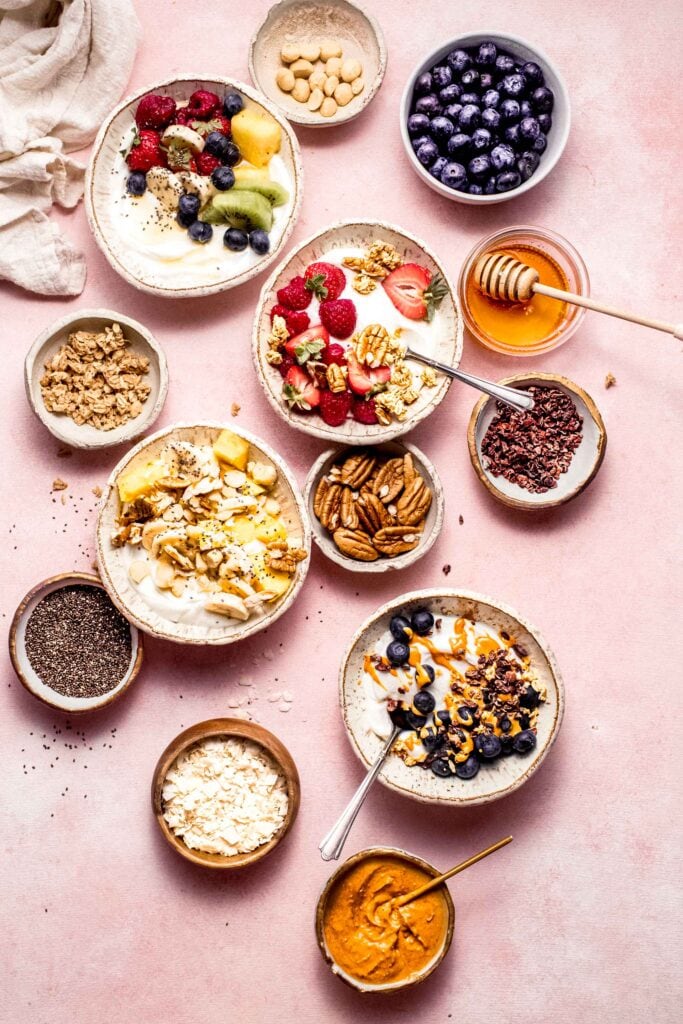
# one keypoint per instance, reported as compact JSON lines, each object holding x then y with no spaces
{"x":70,"y":647}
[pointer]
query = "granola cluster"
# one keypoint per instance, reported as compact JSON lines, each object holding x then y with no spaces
{"x":374,"y":346}
{"x":95,"y":378}
{"x":377,"y":263}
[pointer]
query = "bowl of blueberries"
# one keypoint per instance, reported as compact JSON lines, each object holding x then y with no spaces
{"x":485,"y":117}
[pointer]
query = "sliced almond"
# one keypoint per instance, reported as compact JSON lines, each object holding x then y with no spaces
{"x":137,"y":570}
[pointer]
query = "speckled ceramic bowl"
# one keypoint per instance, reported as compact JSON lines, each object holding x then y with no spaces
{"x":494,"y":780}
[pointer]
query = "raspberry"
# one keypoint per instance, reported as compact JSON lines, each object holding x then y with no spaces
{"x":334,"y":407}
{"x":335,"y":354}
{"x":339,"y":316}
{"x":294,"y":295}
{"x":146,"y":151}
{"x":155,"y":111}
{"x":296,"y":321}
{"x":206,"y":163}
{"x":325,"y":280}
{"x":285,"y":366}
{"x":364,"y":411}
{"x":203,"y":104}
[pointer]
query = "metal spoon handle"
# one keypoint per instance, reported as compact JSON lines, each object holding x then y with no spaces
{"x":333,"y":843}
{"x":511,"y":396}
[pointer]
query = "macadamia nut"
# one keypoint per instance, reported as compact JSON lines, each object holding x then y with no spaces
{"x":343,"y":94}
{"x":328,"y":107}
{"x":330,"y":85}
{"x":301,"y":90}
{"x":285,"y":79}
{"x":315,"y":99}
{"x":333,"y":66}
{"x":357,"y":86}
{"x":309,"y":51}
{"x":301,"y":68}
{"x":350,"y":69}
{"x":317,"y":80}
{"x":289,"y":53}
{"x":330,"y":48}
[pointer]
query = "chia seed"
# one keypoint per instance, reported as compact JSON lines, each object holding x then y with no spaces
{"x":77,"y":642}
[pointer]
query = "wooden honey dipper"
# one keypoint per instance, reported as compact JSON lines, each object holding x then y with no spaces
{"x":505,"y":278}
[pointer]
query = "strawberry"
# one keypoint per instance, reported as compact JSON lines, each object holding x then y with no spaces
{"x":287,"y":363}
{"x":203,"y":104}
{"x":146,"y":151}
{"x":206,"y":163}
{"x":218,"y":123}
{"x":180,"y":158}
{"x":335,"y":354}
{"x":296,"y":321}
{"x":364,"y":410}
{"x":310,"y":344}
{"x":334,"y":407}
{"x":324,"y":280}
{"x":155,"y":111}
{"x":299,"y":391}
{"x":339,"y":316}
{"x":414,"y":292}
{"x":364,"y":380}
{"x":294,"y":295}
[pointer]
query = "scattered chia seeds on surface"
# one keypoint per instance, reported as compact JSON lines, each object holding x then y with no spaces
{"x":77,"y":642}
{"x":532,"y":449}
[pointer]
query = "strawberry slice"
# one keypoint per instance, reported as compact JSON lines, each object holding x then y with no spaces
{"x":299,"y":391}
{"x":414,"y":292}
{"x":366,"y":381}
{"x":310,"y":344}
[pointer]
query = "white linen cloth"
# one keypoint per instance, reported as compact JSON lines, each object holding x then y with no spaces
{"x":63,"y":66}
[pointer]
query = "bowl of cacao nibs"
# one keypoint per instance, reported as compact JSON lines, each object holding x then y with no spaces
{"x":484,"y":117}
{"x":542,"y":458}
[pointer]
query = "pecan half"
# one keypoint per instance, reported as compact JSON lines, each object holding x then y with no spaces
{"x":389,"y":481}
{"x":414,"y":503}
{"x":372,"y":345}
{"x":329,"y":512}
{"x":395,"y":540}
{"x":319,"y":498}
{"x":355,"y":544}
{"x":409,"y":471}
{"x":372,"y":513}
{"x":347,"y":510}
{"x":356,"y":469}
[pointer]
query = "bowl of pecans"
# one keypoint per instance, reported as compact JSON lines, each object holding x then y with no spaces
{"x":96,"y":378}
{"x":374,"y":509}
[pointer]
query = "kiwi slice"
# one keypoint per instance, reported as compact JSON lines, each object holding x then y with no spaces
{"x":242,"y":209}
{"x":256,"y":181}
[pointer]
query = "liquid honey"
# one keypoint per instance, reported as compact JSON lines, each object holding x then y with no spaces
{"x":521,"y":324}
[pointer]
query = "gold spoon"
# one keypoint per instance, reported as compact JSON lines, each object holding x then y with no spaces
{"x":504,"y":278}
{"x":433,"y":883}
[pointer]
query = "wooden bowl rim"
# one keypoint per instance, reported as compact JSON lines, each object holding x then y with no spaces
{"x":308,"y":119}
{"x":134,"y":428}
{"x":69,"y":578}
{"x":520,"y":503}
{"x":237,"y":728}
{"x":327,"y":545}
{"x":342,"y":869}
{"x":246,"y":275}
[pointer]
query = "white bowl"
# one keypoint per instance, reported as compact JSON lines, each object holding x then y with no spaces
{"x":84,"y":435}
{"x":561,"y":114}
{"x":174,"y":279}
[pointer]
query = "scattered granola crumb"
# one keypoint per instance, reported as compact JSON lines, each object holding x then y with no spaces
{"x":234,"y":409}
{"x":610,"y":380}
{"x":446,"y":569}
{"x":59,"y":485}
{"x":64,"y":452}
{"x":97,"y":491}
{"x":461,"y":520}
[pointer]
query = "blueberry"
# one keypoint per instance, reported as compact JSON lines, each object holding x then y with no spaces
{"x":441,"y":767}
{"x":532,"y":73}
{"x":504,"y":64}
{"x":468,"y":769}
{"x":509,"y":111}
{"x":136,"y":183}
{"x":479,"y":166}
{"x":469,"y":97}
{"x":200,"y":232}
{"x":232,"y":154}
{"x":465,"y":715}
{"x":223,"y":178}
{"x":430,"y":672}
{"x":491,"y":98}
{"x":481,"y":140}
{"x":421,"y":620}
{"x":490,"y":118}
{"x":437,"y":167}
{"x":540,"y":142}
{"x":542,"y":100}
{"x":511,"y":134}
{"x":423,"y":702}
{"x":513,"y":85}
{"x":429,"y":737}
{"x":188,"y":210}
{"x":454,"y":175}
{"x":469,"y":116}
{"x":490,"y":186}
{"x":453,"y":112}
{"x":529,"y":128}
{"x":525,"y":109}
{"x":485,"y":80}
{"x":470,"y":78}
{"x":487,"y":746}
{"x":419,"y":139}
{"x":487,"y":54}
{"x":398,"y":628}
{"x":235,"y":240}
{"x":524,"y":742}
{"x":450,"y":94}
{"x":259,"y":241}
{"x":415,"y":721}
{"x":441,"y":129}
{"x":442,"y":76}
{"x":443,"y":718}
{"x":423,"y":84}
{"x":527,"y":164}
{"x":545,"y":122}
{"x":508,"y":180}
{"x":459,"y":144}
{"x":417,"y":124}
{"x":427,"y":153}
{"x":397,"y":652}
{"x":502,"y":157}
{"x":475,"y":190}
{"x":232,"y":104}
{"x":459,"y":60}
{"x":429,"y":105}
{"x":216,"y":144}
{"x":504,"y":723}
{"x":529,"y":697}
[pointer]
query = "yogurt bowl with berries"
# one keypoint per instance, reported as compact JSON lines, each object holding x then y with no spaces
{"x":193,"y":187}
{"x":332,"y":329}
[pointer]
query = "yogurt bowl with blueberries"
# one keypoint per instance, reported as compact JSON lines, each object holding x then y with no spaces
{"x":484,"y":118}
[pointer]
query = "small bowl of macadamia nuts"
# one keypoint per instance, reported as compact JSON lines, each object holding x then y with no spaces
{"x":320,"y":63}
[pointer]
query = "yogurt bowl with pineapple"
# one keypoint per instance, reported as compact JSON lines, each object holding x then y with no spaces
{"x":202,"y":535}
{"x":193,"y":186}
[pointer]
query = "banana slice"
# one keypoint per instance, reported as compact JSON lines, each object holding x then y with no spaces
{"x":183,"y":136}
{"x":165,"y":186}
{"x":230,"y":605}
{"x":197,"y":185}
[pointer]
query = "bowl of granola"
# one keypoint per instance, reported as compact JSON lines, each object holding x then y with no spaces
{"x":330,"y":333}
{"x":202,"y":536}
{"x":96,"y":378}
{"x":472,"y":686}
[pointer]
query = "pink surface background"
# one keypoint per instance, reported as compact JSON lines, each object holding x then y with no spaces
{"x":574,"y":921}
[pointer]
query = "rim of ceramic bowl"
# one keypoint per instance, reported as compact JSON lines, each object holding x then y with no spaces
{"x":227,"y":283}
{"x":250,"y":626}
{"x":505,"y":236}
{"x":561,"y":131}
{"x":313,"y":120}
{"x":240,"y":728}
{"x":343,"y":869}
{"x":324,"y":540}
{"x":334,"y":435}
{"x":46,"y":586}
{"x":554,"y":502}
{"x":134,"y":427}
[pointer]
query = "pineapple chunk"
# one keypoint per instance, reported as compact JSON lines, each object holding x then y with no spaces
{"x":242,"y":530}
{"x":139,"y":480}
{"x":257,"y":135}
{"x":229,"y":447}
{"x":269,"y":529}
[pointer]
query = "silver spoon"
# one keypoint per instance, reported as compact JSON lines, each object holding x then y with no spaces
{"x":333,"y":843}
